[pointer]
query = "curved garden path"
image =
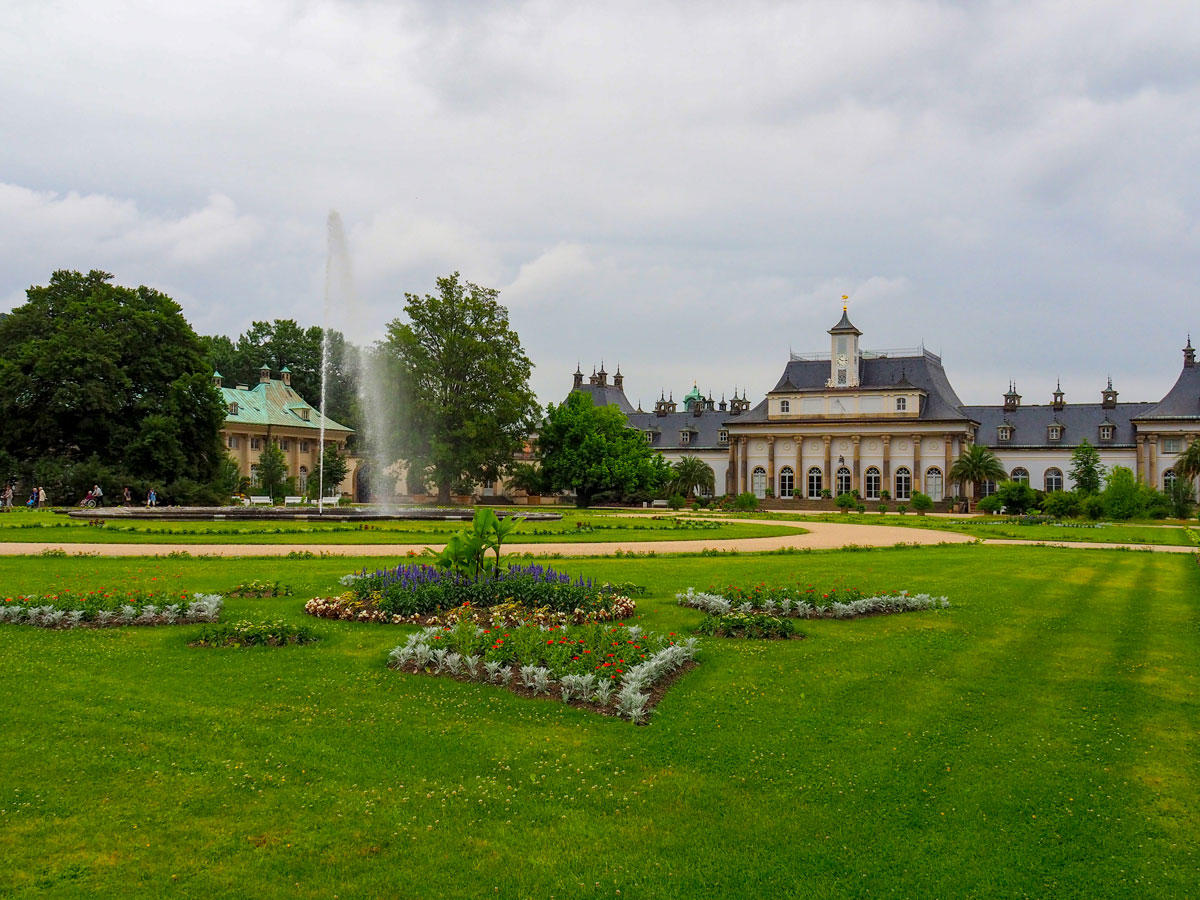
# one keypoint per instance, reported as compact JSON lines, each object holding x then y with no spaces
{"x":810,"y":535}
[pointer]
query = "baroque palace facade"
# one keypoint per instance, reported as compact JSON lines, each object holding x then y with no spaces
{"x":889,"y":420}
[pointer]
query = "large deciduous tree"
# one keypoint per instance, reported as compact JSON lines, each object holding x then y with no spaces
{"x":590,"y":449}
{"x":111,"y":376}
{"x":463,"y":381}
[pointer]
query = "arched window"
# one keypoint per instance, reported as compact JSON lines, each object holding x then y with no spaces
{"x":873,"y":483}
{"x":787,"y":483}
{"x":759,"y":480}
{"x":1168,"y":480}
{"x":785,"y":406}
{"x":933,"y":482}
{"x":1020,"y":475}
{"x":903,"y":483}
{"x":901,"y":404}
{"x":814,"y":483}
{"x":1053,"y":480}
{"x":843,"y":481}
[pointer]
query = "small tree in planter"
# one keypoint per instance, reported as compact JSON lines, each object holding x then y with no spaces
{"x":826,"y":493}
{"x":922,"y":503}
{"x":885,"y":496}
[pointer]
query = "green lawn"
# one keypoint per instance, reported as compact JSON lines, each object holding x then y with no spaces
{"x":1082,"y":531}
{"x":1039,"y":738}
{"x":575,"y":527}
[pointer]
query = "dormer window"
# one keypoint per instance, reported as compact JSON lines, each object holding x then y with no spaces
{"x":785,"y":406}
{"x":685,"y":437}
{"x":1004,"y":432}
{"x":649,"y":437}
{"x":233,"y":409}
{"x":1054,"y":432}
{"x":1106,"y":432}
{"x":901,"y":404}
{"x":723,"y":436}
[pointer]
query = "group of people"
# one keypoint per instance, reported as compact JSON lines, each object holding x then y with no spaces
{"x":38,"y":499}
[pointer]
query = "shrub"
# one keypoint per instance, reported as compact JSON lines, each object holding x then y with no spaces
{"x":902,"y":508}
{"x":745,"y":502}
{"x":845,"y":502}
{"x":676,"y":501}
{"x":260,"y":589}
{"x":805,"y":604}
{"x":1016,"y":497}
{"x":1062,"y":504}
{"x":882,"y":508}
{"x":885,"y":495}
{"x":922,"y":503}
{"x":101,"y":608}
{"x":990,"y":504}
{"x":826,"y":493}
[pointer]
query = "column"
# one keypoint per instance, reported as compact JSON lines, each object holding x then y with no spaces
{"x":744,"y":483}
{"x":827,"y":474}
{"x":887,"y":465}
{"x":800,"y":486}
{"x":771,"y":465}
{"x":917,"y":481}
{"x":731,"y":481}
{"x":1140,"y":474}
{"x":947,"y":442}
{"x":1152,"y":469}
{"x":855,"y":484}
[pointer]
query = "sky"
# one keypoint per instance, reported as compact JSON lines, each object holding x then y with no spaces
{"x":685,"y":190}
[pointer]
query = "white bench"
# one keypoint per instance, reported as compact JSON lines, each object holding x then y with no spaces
{"x":658,"y":504}
{"x":260,"y":500}
{"x":293,"y":501}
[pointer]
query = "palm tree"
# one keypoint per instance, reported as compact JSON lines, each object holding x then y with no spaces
{"x":690,"y":473}
{"x":977,"y":465}
{"x":1187,"y":466}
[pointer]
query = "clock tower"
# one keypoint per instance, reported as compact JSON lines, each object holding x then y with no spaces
{"x":844,"y":355}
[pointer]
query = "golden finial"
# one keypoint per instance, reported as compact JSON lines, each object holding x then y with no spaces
{"x":845,"y":299}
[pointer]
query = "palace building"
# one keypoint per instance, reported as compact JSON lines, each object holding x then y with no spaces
{"x":273,"y":411}
{"x":890,"y":420}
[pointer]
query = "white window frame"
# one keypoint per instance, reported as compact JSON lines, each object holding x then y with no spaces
{"x":1004,"y":433}
{"x":1106,"y":432}
{"x":785,"y":406}
{"x":758,"y":482}
{"x":1019,"y":474}
{"x":816,"y":478}
{"x":843,"y":481}
{"x":723,"y":436}
{"x":903,"y":483}
{"x":1051,"y":477}
{"x":787,"y":483}
{"x":933,"y":476}
{"x":901,"y":404}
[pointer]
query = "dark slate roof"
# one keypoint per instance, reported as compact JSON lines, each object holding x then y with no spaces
{"x":1080,"y":421}
{"x":704,"y":428}
{"x":1182,"y":401}
{"x":607,"y":395}
{"x":924,"y":372}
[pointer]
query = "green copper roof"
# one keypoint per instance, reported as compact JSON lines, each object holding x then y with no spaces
{"x":693,"y":394}
{"x":273,"y":403}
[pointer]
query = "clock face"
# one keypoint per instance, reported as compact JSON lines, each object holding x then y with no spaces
{"x":841,"y":360}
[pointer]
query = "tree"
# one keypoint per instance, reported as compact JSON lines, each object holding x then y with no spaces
{"x":692,"y":473}
{"x":1123,"y":499}
{"x":464,"y":382}
{"x":588,"y":449}
{"x":1016,"y":497}
{"x":272,"y":470}
{"x":922,"y":503}
{"x":335,"y":467}
{"x":1086,"y":469}
{"x":526,"y":477}
{"x":977,"y":464}
{"x":109,"y":376}
{"x":1187,"y":466}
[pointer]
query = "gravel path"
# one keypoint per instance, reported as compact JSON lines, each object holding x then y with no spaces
{"x":812,"y":535}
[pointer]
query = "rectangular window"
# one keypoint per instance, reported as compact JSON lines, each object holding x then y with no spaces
{"x":1106,"y":432}
{"x":685,"y":437}
{"x":1172,"y":445}
{"x":723,"y":436}
{"x":785,"y":406}
{"x":304,"y":447}
{"x":285,"y":444}
{"x":649,"y":437}
{"x":255,"y":443}
{"x":232,"y":442}
{"x":1004,"y":432}
{"x":1055,"y":432}
{"x":841,"y":376}
{"x":901,"y":404}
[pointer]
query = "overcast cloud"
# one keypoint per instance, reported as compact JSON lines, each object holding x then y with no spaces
{"x":685,"y":189}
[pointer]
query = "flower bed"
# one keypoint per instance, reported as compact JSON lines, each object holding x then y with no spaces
{"x":807,"y":603}
{"x":750,"y":625}
{"x":103,"y":609}
{"x":259,"y":589}
{"x":423,"y":594}
{"x":254,"y":634}
{"x":613,"y":669}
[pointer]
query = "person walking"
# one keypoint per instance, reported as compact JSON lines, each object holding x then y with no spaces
{"x":6,"y":497}
{"x":42,"y":498}
{"x":128,"y":496}
{"x":151,"y":498}
{"x":98,"y":495}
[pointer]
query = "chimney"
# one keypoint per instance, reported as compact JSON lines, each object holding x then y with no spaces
{"x":603,"y":375}
{"x":264,"y":374}
{"x":1189,"y":355}
{"x":286,"y":374}
{"x":217,"y":379}
{"x":1058,"y":403}
{"x":578,"y":376}
{"x":619,"y":379}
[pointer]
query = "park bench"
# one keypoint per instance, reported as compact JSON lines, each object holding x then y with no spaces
{"x":260,"y":500}
{"x":292,"y":501}
{"x":658,"y":504}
